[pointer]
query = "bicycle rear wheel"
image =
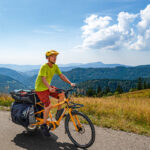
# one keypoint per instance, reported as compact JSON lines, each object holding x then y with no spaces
{"x":31,"y":129}
{"x":85,"y":136}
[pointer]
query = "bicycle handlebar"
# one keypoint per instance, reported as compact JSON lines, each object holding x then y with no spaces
{"x":65,"y":91}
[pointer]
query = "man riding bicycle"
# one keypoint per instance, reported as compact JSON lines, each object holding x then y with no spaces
{"x":43,"y":88}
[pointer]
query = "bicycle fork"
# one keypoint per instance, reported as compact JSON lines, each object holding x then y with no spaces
{"x":76,"y":125}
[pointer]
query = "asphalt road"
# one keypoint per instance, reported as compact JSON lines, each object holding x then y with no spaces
{"x":14,"y":137}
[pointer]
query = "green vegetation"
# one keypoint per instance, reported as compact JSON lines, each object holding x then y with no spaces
{"x":5,"y":100}
{"x":126,"y":77}
{"x":119,"y":73}
{"x":92,"y":88}
{"x":128,"y":112}
{"x":8,"y":84}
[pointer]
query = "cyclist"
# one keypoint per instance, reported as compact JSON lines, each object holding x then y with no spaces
{"x":43,"y":88}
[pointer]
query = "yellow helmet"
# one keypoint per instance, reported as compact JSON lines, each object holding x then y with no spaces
{"x":51,"y":52}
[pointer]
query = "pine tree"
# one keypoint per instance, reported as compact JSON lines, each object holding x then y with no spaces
{"x":90,"y":92}
{"x":99,"y":92}
{"x":139,"y":85}
{"x":119,"y":89}
{"x":145,"y":85}
{"x":107,"y":90}
{"x":148,"y":85}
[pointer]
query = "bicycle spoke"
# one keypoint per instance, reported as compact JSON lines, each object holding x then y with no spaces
{"x":84,"y":133}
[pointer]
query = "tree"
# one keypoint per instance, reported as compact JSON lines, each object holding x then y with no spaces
{"x":90,"y":92}
{"x":119,"y":89}
{"x":107,"y":90}
{"x":99,"y":92}
{"x":148,"y":85}
{"x":145,"y":85}
{"x":139,"y":84}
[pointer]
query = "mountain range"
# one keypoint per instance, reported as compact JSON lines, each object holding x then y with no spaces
{"x":64,"y":67}
{"x":81,"y":76}
{"x":8,"y":84}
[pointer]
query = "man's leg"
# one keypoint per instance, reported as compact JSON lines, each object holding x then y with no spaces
{"x":59,"y":110}
{"x":44,"y":97}
{"x":46,"y":112}
{"x":44,"y":127}
{"x":61,"y":98}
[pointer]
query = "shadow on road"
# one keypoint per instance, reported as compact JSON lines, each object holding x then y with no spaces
{"x":37,"y":142}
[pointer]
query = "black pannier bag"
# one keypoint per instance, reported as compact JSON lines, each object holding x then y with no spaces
{"x":28,"y":96}
{"x":24,"y":96}
{"x":22,"y":110}
{"x":20,"y":113}
{"x":32,"y":119}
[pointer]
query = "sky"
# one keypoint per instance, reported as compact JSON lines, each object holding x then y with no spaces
{"x":82,"y":31}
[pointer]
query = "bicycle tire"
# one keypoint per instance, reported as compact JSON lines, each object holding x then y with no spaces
{"x":91,"y":141}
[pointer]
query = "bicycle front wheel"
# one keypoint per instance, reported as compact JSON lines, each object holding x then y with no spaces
{"x":84,"y":137}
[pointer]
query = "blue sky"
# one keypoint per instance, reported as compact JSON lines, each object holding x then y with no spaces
{"x":83,"y":31}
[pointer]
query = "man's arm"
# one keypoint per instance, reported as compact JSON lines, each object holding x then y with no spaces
{"x":47,"y":85}
{"x":64,"y":78}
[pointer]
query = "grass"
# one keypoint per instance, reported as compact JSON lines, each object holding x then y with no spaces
{"x":5,"y":100}
{"x":127,"y":112}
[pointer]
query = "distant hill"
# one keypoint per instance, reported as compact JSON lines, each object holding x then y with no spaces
{"x":13,"y":74}
{"x":112,"y":83}
{"x":31,"y":73}
{"x":81,"y":75}
{"x":8,"y":84}
{"x":126,"y":85}
{"x":31,"y":81}
{"x":122,"y":73}
{"x":78,"y":75}
{"x":21,"y":68}
{"x":35,"y":71}
{"x":94,"y":65}
{"x":64,"y":67}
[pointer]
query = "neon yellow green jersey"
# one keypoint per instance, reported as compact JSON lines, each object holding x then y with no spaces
{"x":48,"y":72}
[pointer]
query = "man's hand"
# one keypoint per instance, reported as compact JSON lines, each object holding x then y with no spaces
{"x":73,"y":84}
{"x":64,"y":78}
{"x":52,"y":90}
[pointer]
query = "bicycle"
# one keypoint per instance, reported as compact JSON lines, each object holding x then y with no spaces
{"x":76,"y":123}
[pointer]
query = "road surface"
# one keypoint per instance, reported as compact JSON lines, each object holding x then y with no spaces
{"x":13,"y":137}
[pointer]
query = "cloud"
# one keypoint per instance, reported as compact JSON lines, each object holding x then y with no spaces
{"x":131,"y":31}
{"x":145,"y":18}
{"x":48,"y":29}
{"x":55,"y":28}
{"x":42,"y":32}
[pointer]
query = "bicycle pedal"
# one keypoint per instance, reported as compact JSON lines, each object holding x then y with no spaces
{"x":50,"y":126}
{"x":56,"y":125}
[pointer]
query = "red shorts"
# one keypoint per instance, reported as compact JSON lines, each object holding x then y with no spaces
{"x":44,"y":96}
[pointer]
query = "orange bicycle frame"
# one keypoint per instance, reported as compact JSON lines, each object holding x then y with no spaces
{"x":56,"y":123}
